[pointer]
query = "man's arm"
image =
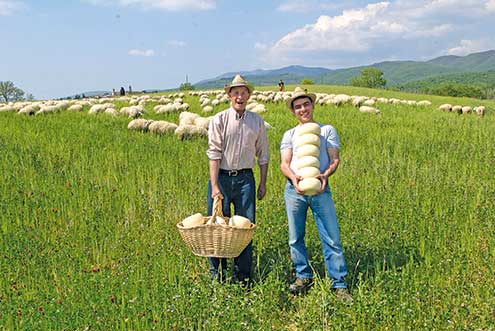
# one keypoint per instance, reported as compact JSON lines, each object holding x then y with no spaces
{"x":333,"y":156}
{"x":214,"y":169}
{"x":286,"y":158}
{"x":262,"y":185}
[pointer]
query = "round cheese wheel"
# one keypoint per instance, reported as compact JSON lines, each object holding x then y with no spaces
{"x":308,"y":128}
{"x":307,"y":161}
{"x":240,"y":221}
{"x":220,"y":220}
{"x":307,"y":150}
{"x":310,"y":186}
{"x":306,"y":139}
{"x":193,"y":220}
{"x":308,"y":172}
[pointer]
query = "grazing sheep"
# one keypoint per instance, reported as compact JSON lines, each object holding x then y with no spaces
{"x":202,"y":122}
{"x":47,"y":110}
{"x":162,"y":127}
{"x":424,"y":103}
{"x":457,"y":109}
{"x":139,"y":124}
{"x":480,"y":110}
{"x":132,"y":111}
{"x":207,"y":109}
{"x":466,"y":110}
{"x":445,"y":107}
{"x":187,"y":118}
{"x":76,"y":107}
{"x":368,"y":109}
{"x":28,"y":110}
{"x":190,"y":131}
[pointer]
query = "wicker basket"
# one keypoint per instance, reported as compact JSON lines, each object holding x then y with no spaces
{"x":216,"y":240}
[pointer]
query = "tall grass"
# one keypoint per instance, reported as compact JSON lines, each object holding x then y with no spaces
{"x":88,"y":240}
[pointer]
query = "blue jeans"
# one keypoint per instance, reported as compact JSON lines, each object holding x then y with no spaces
{"x":240,"y":191}
{"x":323,"y":209}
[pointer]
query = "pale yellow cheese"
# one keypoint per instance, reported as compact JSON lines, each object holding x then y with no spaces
{"x":310,"y":186}
{"x":308,"y":138}
{"x":307,"y":150}
{"x":193,"y":220}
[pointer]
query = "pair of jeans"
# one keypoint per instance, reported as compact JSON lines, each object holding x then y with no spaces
{"x":323,"y":209}
{"x":240,"y":191}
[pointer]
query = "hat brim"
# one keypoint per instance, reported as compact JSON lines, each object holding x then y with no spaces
{"x":248,"y":86}
{"x":311,"y":96}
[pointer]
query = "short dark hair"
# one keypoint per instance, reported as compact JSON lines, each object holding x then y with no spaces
{"x":300,"y":97}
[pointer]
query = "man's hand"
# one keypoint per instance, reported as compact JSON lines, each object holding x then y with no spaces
{"x":261,"y":191}
{"x":324,"y":181}
{"x":295,"y":182}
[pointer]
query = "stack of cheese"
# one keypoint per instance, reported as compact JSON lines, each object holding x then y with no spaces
{"x":307,"y":151}
{"x":198,"y":219}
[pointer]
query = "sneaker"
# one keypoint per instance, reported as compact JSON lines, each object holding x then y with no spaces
{"x":301,"y":285}
{"x":343,"y":294}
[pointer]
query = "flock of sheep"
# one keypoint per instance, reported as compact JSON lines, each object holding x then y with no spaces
{"x":479,"y":110}
{"x":192,"y":124}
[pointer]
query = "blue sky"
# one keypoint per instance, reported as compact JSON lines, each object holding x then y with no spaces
{"x":57,"y":48}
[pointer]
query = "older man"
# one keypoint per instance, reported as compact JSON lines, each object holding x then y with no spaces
{"x":236,"y":137}
{"x":297,"y":201}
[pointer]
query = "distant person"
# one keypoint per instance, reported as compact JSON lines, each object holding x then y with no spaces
{"x":130,"y":89}
{"x":122,"y":91}
{"x":301,"y":104}
{"x":281,"y":85}
{"x":113,"y":92}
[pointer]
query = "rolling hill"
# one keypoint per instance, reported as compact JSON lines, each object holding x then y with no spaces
{"x":396,"y":73}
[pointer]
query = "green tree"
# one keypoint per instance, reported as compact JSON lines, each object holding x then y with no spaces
{"x":186,"y":87}
{"x":9,"y":92}
{"x":370,"y":77}
{"x":458,"y":90}
{"x":307,"y":81}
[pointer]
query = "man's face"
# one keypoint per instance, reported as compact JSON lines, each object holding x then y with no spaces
{"x":303,"y":109}
{"x":238,"y":97}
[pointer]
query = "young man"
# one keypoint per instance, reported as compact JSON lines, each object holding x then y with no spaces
{"x":297,"y":203}
{"x":236,"y":137}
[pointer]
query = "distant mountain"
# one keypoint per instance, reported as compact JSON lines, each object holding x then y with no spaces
{"x":395,"y":72}
{"x":290,"y":75}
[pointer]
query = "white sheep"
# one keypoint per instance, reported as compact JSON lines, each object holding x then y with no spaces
{"x":162,"y":127}
{"x":139,"y":124}
{"x":445,"y":107}
{"x":480,"y":110}
{"x":190,"y":131}
{"x":368,"y":109}
{"x":76,"y":107}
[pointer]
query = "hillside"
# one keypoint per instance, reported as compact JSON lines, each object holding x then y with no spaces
{"x":395,"y":72}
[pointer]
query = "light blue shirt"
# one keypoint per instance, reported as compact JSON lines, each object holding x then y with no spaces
{"x":328,"y":139}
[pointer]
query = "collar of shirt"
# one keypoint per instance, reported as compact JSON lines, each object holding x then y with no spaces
{"x":237,"y":116}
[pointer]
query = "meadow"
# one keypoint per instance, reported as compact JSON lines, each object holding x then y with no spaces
{"x":88,"y":212}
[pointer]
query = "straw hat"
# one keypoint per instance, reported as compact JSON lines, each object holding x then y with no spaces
{"x":239,"y":81}
{"x":299,"y":92}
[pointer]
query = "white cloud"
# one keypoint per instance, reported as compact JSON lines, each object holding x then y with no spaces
{"x":490,"y":5}
{"x":471,"y":46}
{"x":10,"y":7}
{"x":177,"y":43}
{"x":295,"y":6}
{"x":169,"y":5}
{"x":142,"y":52}
{"x":390,"y":29}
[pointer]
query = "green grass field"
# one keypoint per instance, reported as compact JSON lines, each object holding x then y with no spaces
{"x":88,"y":212}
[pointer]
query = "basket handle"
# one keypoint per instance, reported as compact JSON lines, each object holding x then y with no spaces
{"x":217,"y":206}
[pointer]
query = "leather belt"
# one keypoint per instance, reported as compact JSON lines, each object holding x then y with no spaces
{"x":234,"y":173}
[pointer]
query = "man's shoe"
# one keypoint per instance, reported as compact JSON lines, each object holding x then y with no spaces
{"x":301,"y":285}
{"x":343,"y":295}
